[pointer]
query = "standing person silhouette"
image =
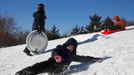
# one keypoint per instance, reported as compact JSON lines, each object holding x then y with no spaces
{"x":39,"y":18}
{"x":38,"y":22}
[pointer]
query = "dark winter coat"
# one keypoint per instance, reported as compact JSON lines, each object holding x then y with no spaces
{"x":64,"y":52}
{"x":39,"y":20}
{"x":67,"y":56}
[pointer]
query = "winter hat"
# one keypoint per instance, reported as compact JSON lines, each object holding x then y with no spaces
{"x":41,"y":5}
{"x":116,"y":18}
{"x":71,"y":41}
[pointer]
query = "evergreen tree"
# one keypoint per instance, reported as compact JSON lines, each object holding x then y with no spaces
{"x":64,"y":35}
{"x":75,"y":30}
{"x":95,"y":22}
{"x":89,"y":28}
{"x":108,"y":24}
{"x":53,"y":33}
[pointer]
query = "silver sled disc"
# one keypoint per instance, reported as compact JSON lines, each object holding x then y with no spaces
{"x":36,"y":42}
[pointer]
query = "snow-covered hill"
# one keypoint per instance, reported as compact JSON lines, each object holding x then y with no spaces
{"x":120,"y":46}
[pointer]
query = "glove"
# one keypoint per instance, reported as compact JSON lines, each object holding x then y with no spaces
{"x":58,"y":58}
{"x":39,"y":31}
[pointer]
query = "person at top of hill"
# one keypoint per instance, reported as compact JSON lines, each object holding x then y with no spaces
{"x":39,"y":18}
{"x":38,"y":23}
{"x":118,"y":23}
{"x":60,"y":59}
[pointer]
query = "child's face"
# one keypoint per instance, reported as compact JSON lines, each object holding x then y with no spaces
{"x":70,"y":47}
{"x":115,"y":21}
{"x":40,"y":8}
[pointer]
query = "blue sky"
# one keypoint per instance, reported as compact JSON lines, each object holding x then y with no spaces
{"x":65,"y":14}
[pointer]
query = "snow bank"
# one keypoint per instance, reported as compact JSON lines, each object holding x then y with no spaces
{"x":118,"y":45}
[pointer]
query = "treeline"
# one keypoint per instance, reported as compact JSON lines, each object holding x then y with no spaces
{"x":11,"y":35}
{"x":96,"y":24}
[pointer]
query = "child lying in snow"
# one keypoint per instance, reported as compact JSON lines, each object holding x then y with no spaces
{"x":61,"y":58}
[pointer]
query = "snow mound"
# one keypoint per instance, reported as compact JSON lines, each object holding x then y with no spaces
{"x":118,"y":45}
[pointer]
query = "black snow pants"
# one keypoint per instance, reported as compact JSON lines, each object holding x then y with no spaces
{"x":49,"y":66}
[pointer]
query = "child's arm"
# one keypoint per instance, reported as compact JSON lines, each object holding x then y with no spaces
{"x":78,"y":58}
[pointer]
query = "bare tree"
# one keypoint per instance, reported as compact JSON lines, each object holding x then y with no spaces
{"x":9,"y":36}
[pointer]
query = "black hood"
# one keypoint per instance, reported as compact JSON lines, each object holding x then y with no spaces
{"x":71,"y":41}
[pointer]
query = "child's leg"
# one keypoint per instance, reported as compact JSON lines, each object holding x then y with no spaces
{"x":46,"y":66}
{"x":35,"y":26}
{"x":42,"y":27}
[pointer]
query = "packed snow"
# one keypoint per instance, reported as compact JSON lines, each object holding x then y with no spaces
{"x":119,"y":46}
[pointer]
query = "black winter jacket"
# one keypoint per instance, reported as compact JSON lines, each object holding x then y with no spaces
{"x":67,"y":56}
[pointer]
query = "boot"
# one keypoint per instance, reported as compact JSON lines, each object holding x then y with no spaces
{"x":26,"y":71}
{"x":27,"y":51}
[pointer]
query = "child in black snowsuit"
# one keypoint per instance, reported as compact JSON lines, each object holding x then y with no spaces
{"x":61,"y":58}
{"x":39,"y":18}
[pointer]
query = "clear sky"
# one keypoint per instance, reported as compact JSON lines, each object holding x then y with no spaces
{"x":65,"y":14}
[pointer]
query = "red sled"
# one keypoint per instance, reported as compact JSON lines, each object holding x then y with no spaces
{"x":110,"y":32}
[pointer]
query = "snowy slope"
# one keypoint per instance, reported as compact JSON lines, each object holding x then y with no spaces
{"x":118,"y":45}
